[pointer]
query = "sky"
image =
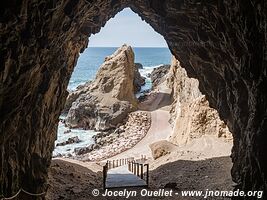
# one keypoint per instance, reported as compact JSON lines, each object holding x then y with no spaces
{"x":127,"y":27}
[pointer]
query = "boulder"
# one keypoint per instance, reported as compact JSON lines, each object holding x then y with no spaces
{"x":106,"y":101}
{"x":158,"y":74}
{"x":71,"y":140}
{"x":84,"y":150}
{"x":161,"y":148}
{"x":138,"y":65}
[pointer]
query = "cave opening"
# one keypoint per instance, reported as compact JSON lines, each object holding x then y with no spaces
{"x":150,"y":52}
{"x":41,"y":42}
{"x":172,"y":96}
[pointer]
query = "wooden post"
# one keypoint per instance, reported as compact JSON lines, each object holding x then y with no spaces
{"x":132,"y":166}
{"x":142,"y":171}
{"x":113,"y":163}
{"x":147,"y":174}
{"x":104,"y":176}
{"x":117,"y":163}
{"x":138,"y":169}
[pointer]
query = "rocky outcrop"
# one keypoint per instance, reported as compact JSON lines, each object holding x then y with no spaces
{"x":192,"y":117}
{"x":123,"y":138}
{"x":138,"y":79}
{"x":106,"y":101}
{"x":221,"y":43}
{"x":138,"y":65}
{"x":158,"y":74}
{"x":84,"y":150}
{"x":71,"y":140}
{"x":73,"y":96}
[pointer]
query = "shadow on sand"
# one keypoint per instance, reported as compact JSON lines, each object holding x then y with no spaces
{"x":72,"y":181}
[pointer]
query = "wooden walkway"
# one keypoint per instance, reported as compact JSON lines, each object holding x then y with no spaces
{"x":121,"y":177}
{"x":127,"y":172}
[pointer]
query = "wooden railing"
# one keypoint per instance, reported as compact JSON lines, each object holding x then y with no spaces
{"x":105,"y":173}
{"x":117,"y":163}
{"x":139,"y":169}
{"x":113,"y":164}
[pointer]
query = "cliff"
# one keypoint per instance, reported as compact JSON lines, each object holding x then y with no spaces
{"x":191,"y":115}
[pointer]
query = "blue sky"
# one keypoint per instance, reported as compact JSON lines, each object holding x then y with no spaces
{"x":127,"y":27}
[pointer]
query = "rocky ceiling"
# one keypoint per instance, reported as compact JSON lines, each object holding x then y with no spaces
{"x":221,"y":43}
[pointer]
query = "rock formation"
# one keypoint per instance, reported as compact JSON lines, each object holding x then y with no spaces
{"x":138,"y":65}
{"x":138,"y":79}
{"x":221,"y":43}
{"x":158,"y":74}
{"x":71,"y":140}
{"x":192,"y":117}
{"x":106,"y":101}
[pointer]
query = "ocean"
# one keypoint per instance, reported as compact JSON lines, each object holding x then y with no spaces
{"x":88,"y":64}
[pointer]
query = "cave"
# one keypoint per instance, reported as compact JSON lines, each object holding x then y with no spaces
{"x":221,"y":43}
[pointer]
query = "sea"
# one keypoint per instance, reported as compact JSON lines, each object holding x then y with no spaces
{"x":87,"y":66}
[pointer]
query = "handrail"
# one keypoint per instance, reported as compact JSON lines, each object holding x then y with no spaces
{"x":138,"y":170}
{"x":110,"y":164}
{"x":105,"y":172}
{"x":113,"y":164}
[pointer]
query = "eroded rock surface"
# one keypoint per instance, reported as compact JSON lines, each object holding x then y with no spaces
{"x":138,"y":79}
{"x":158,"y":74}
{"x":191,"y":115}
{"x":221,"y":43}
{"x":106,"y":101}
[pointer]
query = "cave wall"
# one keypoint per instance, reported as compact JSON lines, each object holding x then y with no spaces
{"x":221,"y":43}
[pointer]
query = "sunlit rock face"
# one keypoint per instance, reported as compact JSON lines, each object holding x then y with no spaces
{"x":191,"y":115}
{"x":105,"y":102}
{"x":221,"y":43}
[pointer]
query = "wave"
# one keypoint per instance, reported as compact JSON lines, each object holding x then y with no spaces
{"x":147,"y":70}
{"x":86,"y":137}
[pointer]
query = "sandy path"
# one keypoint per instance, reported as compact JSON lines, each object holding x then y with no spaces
{"x":160,"y":130}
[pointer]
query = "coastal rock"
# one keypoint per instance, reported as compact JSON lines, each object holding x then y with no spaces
{"x":121,"y":139}
{"x":138,"y":65}
{"x":73,"y":96}
{"x":138,"y":79}
{"x":84,"y":150}
{"x":161,"y":148}
{"x":67,"y":131}
{"x":191,"y":115}
{"x":158,"y":74}
{"x":71,"y":140}
{"x":107,"y":100}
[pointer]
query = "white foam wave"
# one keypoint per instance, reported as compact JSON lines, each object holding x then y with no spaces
{"x":84,"y":135}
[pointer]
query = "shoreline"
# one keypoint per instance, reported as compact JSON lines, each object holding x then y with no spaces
{"x":134,"y":133}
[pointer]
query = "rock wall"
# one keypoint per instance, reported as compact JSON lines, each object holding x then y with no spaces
{"x":221,"y":43}
{"x":191,"y":115}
